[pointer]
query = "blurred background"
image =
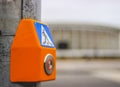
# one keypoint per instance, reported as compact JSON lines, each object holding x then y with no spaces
{"x":87,"y":38}
{"x":84,"y":28}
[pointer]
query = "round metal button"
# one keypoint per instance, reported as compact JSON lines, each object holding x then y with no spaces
{"x":49,"y":64}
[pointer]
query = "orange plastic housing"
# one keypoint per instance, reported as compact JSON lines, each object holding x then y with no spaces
{"x":28,"y":55}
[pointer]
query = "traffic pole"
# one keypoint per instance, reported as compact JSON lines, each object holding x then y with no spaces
{"x":11,"y":12}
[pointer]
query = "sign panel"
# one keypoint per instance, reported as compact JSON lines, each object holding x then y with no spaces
{"x":46,"y":40}
{"x":44,"y":35}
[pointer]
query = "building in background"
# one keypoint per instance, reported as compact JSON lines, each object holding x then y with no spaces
{"x":78,"y":41}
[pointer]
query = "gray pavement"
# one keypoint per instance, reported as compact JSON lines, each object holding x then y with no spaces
{"x":79,"y":73}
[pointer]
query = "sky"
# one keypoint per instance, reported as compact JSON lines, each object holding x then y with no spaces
{"x":103,"y":12}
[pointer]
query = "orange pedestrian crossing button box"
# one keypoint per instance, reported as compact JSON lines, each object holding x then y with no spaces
{"x":33,"y":53}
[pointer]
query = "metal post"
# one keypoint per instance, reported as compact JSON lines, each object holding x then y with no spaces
{"x":11,"y":11}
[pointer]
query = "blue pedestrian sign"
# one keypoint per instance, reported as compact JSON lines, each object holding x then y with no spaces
{"x":44,"y":35}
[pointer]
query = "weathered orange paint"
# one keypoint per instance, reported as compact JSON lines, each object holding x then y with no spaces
{"x":27,"y":55}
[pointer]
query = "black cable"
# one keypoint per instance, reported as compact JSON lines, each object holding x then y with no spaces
{"x":21,"y":9}
{"x":0,"y":32}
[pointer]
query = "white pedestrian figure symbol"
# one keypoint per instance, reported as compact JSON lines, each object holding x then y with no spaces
{"x":46,"y":40}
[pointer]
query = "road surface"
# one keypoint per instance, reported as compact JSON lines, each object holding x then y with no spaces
{"x":79,"y":73}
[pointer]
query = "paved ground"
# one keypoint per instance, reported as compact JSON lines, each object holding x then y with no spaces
{"x":79,"y":73}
